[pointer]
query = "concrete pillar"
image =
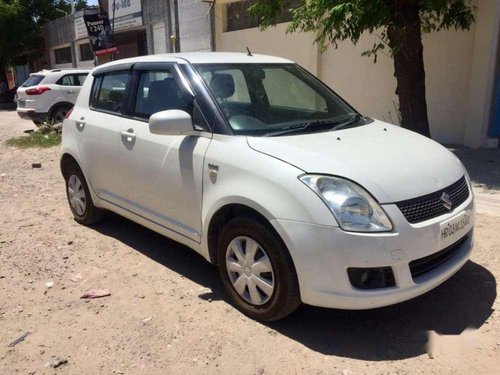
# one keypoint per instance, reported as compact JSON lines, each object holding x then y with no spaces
{"x":482,"y":77}
{"x":220,"y":23}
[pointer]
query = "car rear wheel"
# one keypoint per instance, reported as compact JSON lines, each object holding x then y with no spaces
{"x":57,"y":116}
{"x":79,"y":198}
{"x":257,"y":270}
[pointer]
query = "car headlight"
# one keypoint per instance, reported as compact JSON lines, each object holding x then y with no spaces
{"x":353,"y":207}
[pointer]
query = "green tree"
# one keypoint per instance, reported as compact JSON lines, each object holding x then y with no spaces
{"x":20,"y":26}
{"x":399,"y":25}
{"x":80,"y":4}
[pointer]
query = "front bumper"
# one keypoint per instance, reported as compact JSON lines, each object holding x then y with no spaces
{"x":322,"y":255}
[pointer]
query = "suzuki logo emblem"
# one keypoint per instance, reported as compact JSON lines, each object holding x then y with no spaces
{"x":447,"y":203}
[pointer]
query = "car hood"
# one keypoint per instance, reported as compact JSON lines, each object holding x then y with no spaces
{"x":392,"y":163}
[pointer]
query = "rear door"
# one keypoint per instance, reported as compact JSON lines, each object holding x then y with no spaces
{"x":70,"y":85}
{"x":100,"y":128}
{"x":163,"y":173}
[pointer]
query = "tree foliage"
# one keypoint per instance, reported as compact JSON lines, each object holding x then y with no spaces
{"x":399,"y":25}
{"x":334,"y":21}
{"x":20,"y":24}
{"x":80,"y":4}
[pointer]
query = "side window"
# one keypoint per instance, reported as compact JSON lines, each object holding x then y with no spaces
{"x":111,"y":91}
{"x":67,"y":80}
{"x":159,"y":90}
{"x":79,"y":79}
{"x":72,"y":79}
{"x":95,"y":91}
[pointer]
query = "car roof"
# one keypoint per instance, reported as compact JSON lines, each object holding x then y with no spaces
{"x":202,"y":58}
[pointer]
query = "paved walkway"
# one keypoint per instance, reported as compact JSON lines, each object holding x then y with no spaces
{"x":488,"y":203}
{"x":484,"y":169}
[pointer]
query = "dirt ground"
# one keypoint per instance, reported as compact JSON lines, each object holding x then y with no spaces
{"x":167,"y":313}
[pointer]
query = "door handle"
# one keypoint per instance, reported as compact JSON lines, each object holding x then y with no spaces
{"x":80,"y":124}
{"x":129,"y":136}
{"x":70,"y":91}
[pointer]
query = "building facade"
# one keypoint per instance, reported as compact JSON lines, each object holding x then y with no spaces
{"x":141,"y":27}
{"x":462,"y":67}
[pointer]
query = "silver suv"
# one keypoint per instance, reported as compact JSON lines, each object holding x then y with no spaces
{"x":49,"y":94}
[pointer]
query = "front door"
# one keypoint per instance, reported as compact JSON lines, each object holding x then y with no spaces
{"x":162,"y":173}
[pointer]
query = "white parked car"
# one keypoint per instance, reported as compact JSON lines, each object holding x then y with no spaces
{"x":49,"y":94}
{"x":258,"y":166}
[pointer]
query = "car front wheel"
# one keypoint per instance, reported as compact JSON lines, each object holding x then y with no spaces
{"x":256,"y":270}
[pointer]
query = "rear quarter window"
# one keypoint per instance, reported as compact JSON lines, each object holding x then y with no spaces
{"x":33,"y":80}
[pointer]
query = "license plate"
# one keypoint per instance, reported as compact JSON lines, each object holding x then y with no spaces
{"x":452,"y":230}
{"x":21,"y":102}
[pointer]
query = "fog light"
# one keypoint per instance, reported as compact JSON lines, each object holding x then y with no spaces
{"x":371,"y":278}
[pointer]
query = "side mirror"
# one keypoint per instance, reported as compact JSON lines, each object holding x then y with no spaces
{"x":171,"y":122}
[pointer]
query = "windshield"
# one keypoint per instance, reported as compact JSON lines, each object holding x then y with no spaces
{"x":267,"y":99}
{"x":33,"y":80}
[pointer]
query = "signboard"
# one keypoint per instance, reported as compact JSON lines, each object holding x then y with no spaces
{"x":100,"y":33}
{"x":80,"y":29}
{"x":127,"y":13}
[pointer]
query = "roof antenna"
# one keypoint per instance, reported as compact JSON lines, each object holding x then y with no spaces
{"x":249,"y":52}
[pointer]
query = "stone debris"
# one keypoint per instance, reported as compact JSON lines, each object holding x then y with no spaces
{"x":19,"y":339}
{"x":76,"y":277}
{"x":59,"y":362}
{"x":96,"y":293}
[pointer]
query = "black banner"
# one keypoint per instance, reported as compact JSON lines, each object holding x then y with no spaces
{"x":100,"y":33}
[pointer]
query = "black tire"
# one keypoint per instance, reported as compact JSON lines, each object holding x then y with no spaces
{"x":37,"y":122}
{"x":286,"y":295}
{"x":91,"y":214}
{"x":57,"y":115}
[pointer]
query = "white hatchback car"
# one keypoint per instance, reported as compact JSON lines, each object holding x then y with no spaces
{"x":258,"y":166}
{"x":49,"y":94}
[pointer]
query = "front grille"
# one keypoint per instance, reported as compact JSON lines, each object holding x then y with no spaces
{"x":420,"y":266}
{"x":429,"y":206}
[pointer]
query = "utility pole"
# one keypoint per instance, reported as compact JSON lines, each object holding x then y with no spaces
{"x":169,"y":27}
{"x":176,"y":20}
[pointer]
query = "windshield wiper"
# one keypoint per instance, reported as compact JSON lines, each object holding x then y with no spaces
{"x":356,"y":119}
{"x":299,"y":127}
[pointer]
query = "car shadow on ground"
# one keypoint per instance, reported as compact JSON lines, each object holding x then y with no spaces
{"x":8,"y":107}
{"x":389,"y":333}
